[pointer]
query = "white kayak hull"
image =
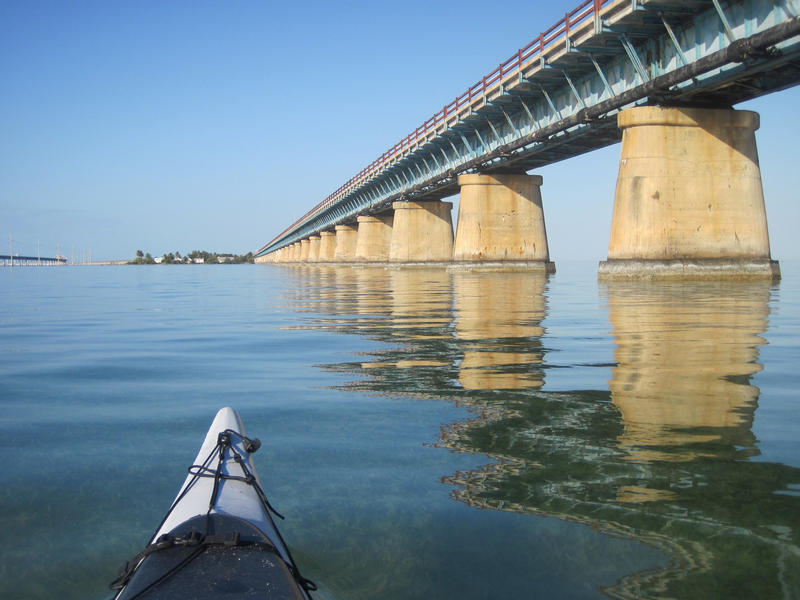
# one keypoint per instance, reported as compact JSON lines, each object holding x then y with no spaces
{"x":235,"y":498}
{"x":218,"y":537}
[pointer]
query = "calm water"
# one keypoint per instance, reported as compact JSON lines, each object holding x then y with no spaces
{"x":428,"y":434}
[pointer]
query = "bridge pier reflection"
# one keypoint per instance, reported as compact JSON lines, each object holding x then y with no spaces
{"x":498,"y":319}
{"x":685,"y":354}
{"x":665,"y":455}
{"x":669,"y":459}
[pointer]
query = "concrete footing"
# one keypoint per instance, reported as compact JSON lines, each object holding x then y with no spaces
{"x":709,"y":268}
{"x":689,"y":201}
{"x":421,"y":232}
{"x":517,"y":265}
{"x":374,"y":238}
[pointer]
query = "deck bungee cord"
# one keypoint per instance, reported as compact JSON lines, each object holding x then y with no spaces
{"x":217,"y":530}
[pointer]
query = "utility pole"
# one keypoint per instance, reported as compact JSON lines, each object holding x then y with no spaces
{"x":11,"y":249}
{"x":38,"y":253}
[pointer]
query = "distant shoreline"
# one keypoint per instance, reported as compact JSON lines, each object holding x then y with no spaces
{"x":197,"y":257}
{"x":113,"y":263}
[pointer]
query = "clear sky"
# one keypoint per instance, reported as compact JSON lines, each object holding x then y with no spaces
{"x":183,"y":125}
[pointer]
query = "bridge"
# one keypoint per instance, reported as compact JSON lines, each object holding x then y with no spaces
{"x":662,"y":76}
{"x":12,"y":260}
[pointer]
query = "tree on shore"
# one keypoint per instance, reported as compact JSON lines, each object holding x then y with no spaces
{"x":142,"y":259}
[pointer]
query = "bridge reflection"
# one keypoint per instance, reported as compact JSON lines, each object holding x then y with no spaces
{"x":481,"y":329}
{"x":685,"y":355}
{"x":498,"y":320}
{"x":664,"y":455}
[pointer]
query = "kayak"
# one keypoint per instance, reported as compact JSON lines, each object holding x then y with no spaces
{"x":218,"y":539}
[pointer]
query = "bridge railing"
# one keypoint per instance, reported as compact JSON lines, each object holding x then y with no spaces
{"x":461,"y":106}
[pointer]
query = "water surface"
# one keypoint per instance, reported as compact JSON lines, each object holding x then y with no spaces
{"x":428,"y":434}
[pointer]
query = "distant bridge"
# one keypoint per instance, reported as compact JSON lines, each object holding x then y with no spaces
{"x":31,"y":261}
{"x":560,"y":96}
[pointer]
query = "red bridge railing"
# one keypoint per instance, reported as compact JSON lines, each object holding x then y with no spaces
{"x":475,"y":95}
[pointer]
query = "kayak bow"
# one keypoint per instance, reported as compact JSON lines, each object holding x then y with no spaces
{"x":218,"y":538}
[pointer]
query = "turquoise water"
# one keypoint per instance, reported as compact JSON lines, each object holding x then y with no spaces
{"x":428,"y":434}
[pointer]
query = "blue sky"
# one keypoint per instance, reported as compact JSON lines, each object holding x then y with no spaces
{"x":174,"y":125}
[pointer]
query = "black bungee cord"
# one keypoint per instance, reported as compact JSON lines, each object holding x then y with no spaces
{"x":203,"y":541}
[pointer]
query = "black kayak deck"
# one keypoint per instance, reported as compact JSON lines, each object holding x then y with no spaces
{"x":214,"y":556}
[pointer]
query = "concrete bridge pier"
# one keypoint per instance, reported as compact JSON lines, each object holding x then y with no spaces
{"x":501,"y":220}
{"x":374,"y":238}
{"x":346,"y":237}
{"x":422,"y":232}
{"x":327,"y":246}
{"x":313,"y":248}
{"x":305,"y":246}
{"x":689,"y":200}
